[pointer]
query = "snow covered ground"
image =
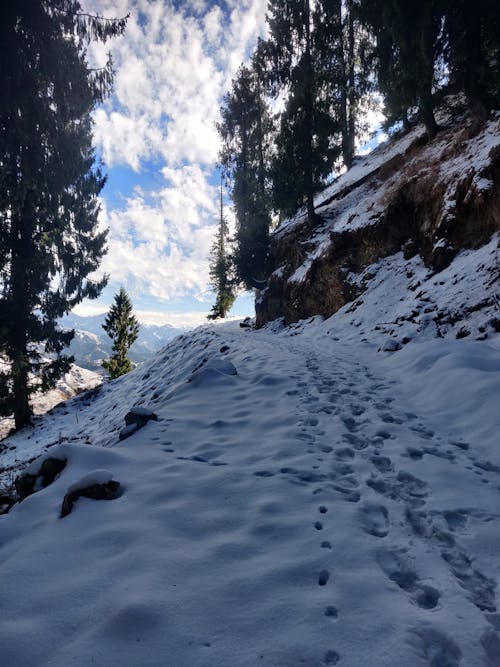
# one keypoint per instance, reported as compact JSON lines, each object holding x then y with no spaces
{"x":71,"y":383}
{"x":303,"y":499}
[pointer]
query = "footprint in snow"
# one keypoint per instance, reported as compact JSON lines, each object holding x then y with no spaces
{"x":374,"y":519}
{"x":436,"y":647}
{"x":350,"y":424}
{"x":344,"y":454}
{"x":382,"y":463}
{"x":356,"y":441}
{"x":389,"y":419}
{"x":397,"y":566}
{"x":412,"y":485}
{"x":422,"y":431}
{"x":481,"y":588}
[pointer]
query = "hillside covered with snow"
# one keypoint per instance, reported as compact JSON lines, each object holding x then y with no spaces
{"x":316,"y":491}
{"x":302,"y":499}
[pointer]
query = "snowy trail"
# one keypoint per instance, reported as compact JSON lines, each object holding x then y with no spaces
{"x":301,"y":512}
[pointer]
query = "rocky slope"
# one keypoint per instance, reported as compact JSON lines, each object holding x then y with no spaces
{"x":421,"y":204}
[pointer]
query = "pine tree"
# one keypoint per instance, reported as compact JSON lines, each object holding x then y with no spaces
{"x":304,"y":71}
{"x":408,"y":46}
{"x":473,"y":34}
{"x":49,"y":237}
{"x":122,"y":327}
{"x":246,"y":131}
{"x":220,"y":269}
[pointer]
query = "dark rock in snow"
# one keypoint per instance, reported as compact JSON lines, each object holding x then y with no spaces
{"x":140,"y":416}
{"x":49,"y":470}
{"x":391,"y":345}
{"x":107,"y":491}
{"x":28,"y":483}
{"x":410,"y":249}
{"x":25,"y":485}
{"x":6,"y":502}
{"x":136,"y":419}
{"x":128,"y":431}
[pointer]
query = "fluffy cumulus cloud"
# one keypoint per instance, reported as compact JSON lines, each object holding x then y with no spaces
{"x":159,"y":241}
{"x":173,"y":65}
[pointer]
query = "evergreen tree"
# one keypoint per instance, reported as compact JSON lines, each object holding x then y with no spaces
{"x":122,"y":327}
{"x":220,"y":269}
{"x":246,"y":131}
{"x":408,"y":36}
{"x":49,"y":237}
{"x":473,"y":33}
{"x":304,"y":71}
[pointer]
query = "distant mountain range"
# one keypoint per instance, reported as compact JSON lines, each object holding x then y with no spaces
{"x":91,"y":343}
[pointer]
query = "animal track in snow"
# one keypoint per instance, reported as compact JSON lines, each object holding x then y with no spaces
{"x":331,"y":658}
{"x":323,"y":577}
{"x":331,"y":612}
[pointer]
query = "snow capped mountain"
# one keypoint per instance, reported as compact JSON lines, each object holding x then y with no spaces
{"x":92,"y":344}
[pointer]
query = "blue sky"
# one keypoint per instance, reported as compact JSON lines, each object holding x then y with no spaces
{"x":157,"y":137}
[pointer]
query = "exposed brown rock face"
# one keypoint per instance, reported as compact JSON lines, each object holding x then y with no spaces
{"x":429,"y":198}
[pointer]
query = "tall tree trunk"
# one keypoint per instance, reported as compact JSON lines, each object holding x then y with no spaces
{"x":473,"y":84}
{"x":344,"y":86}
{"x":308,"y":110}
{"x":425,"y":95}
{"x":352,"y":87}
{"x":17,"y":347}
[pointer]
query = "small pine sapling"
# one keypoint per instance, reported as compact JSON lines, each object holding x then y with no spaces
{"x":122,"y":327}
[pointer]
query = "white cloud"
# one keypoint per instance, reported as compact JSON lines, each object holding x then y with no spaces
{"x":173,"y":65}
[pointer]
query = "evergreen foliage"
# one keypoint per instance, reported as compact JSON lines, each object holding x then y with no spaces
{"x":473,"y":41}
{"x":301,"y":50}
{"x":409,"y":43}
{"x":220,"y":269}
{"x":49,"y":182}
{"x":246,"y":131}
{"x":122,"y":327}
